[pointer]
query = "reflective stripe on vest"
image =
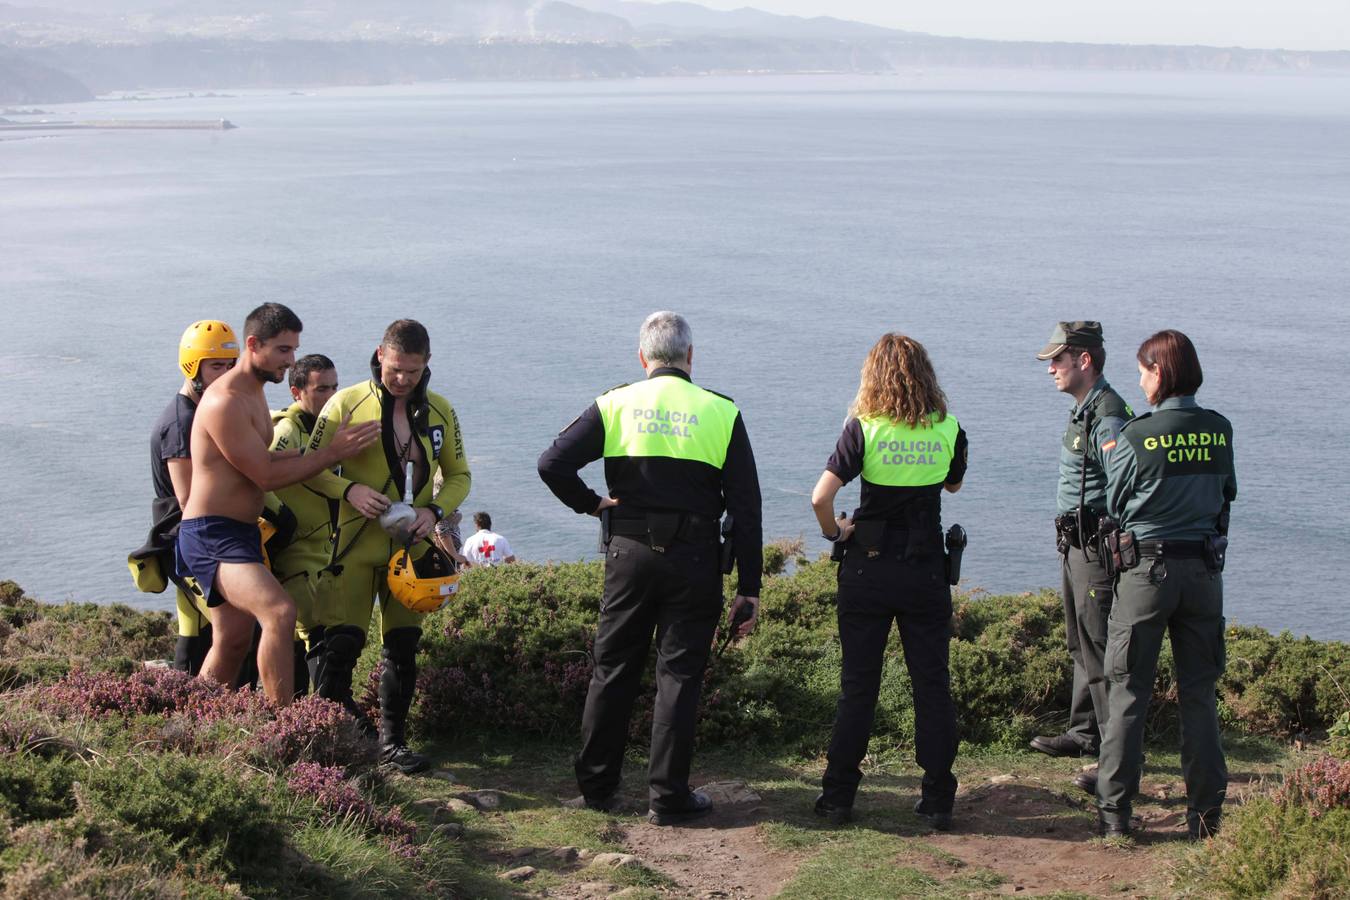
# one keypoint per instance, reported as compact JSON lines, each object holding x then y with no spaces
{"x":898,"y":455}
{"x":667,"y":416}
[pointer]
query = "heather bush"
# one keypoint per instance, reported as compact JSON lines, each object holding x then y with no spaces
{"x":339,"y":799}
{"x":1289,"y":844}
{"x":148,"y":692}
{"x":315,"y":730}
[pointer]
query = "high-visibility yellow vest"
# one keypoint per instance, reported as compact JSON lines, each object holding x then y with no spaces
{"x":899,"y":455}
{"x":667,"y":416}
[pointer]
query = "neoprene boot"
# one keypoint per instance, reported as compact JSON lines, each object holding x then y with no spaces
{"x":310,"y":660}
{"x":190,"y":652}
{"x":333,"y":669}
{"x":398,"y":681}
{"x":301,"y":669}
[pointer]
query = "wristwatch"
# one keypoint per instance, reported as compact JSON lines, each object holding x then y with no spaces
{"x":436,"y":511}
{"x":839,"y":532}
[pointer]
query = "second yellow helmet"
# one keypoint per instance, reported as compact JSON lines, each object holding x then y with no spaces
{"x":207,"y":339}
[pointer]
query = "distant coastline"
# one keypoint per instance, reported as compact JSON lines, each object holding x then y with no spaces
{"x":54,"y":72}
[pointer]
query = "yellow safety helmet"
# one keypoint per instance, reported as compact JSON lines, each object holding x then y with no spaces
{"x":207,"y":339}
{"x":423,"y":585}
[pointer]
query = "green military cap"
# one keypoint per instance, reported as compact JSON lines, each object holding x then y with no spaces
{"x":1072,"y":334}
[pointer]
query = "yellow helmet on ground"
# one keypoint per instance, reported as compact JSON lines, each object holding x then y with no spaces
{"x":423,"y":585}
{"x":207,"y":339}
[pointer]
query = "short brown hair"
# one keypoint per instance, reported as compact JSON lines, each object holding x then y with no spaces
{"x":270,"y":320}
{"x":407,"y":336}
{"x":1096,"y":354}
{"x":1179,"y":372}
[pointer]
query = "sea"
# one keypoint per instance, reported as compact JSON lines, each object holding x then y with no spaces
{"x":793,"y":220}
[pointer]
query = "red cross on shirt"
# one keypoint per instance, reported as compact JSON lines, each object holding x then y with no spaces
{"x":487,"y":550}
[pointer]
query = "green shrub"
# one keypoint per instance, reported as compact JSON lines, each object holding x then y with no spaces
{"x":513,"y":654}
{"x":1279,"y":845}
{"x":42,"y":643}
{"x":34,"y":788}
{"x":195,"y":809}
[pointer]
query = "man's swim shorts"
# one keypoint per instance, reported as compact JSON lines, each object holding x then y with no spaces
{"x":206,"y":542}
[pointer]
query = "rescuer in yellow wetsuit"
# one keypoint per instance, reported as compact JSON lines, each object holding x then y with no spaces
{"x":297,"y":566}
{"x":418,"y":427}
{"x":207,"y":350}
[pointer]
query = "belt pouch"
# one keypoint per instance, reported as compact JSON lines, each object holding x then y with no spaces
{"x":661,"y":529}
{"x":1216,"y":552}
{"x":870,"y":536}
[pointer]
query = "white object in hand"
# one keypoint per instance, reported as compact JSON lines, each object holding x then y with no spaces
{"x":398,"y":520}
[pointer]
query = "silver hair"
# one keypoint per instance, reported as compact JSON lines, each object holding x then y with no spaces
{"x":665,"y":337}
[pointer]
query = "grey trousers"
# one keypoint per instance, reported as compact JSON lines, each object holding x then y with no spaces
{"x":1184,"y":599}
{"x":1088,"y":593}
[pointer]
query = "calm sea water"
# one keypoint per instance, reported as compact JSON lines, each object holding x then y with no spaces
{"x":532,"y":226}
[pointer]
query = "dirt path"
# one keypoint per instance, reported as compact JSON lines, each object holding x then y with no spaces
{"x":1034,"y":835}
{"x":724,"y":858}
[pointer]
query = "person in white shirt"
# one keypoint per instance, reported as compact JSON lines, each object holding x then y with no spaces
{"x":485,"y":547}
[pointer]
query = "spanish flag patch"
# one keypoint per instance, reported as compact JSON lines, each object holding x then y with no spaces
{"x":1108,"y":445}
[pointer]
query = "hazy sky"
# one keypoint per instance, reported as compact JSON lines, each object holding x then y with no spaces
{"x":1292,"y":24}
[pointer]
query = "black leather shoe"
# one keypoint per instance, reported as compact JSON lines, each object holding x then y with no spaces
{"x":941,"y":821}
{"x":1109,"y":828}
{"x":1059,"y":745}
{"x":404,"y":758}
{"x":1201,"y":828}
{"x":700,"y":804}
{"x":1087,"y":780}
{"x":606,"y":804}
{"x":833,"y":813}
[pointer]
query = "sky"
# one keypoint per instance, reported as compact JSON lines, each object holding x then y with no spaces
{"x":1288,"y":24}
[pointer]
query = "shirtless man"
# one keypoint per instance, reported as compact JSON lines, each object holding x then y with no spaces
{"x":219,"y":543}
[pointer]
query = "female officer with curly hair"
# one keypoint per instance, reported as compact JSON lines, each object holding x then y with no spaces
{"x":1169,"y":481}
{"x":907,"y":448}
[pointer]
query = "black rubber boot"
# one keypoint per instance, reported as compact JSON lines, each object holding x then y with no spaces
{"x":333,"y":669}
{"x":398,"y":682}
{"x":310,"y":659}
{"x":190,"y":652}
{"x":301,"y":669}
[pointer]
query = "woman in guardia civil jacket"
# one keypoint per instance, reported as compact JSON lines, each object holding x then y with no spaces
{"x":1169,"y":481}
{"x":907,"y":448}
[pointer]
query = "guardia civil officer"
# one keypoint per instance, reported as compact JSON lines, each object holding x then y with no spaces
{"x":1169,"y":483}
{"x":1076,"y":356}
{"x":675,"y":456}
{"x":907,"y":448}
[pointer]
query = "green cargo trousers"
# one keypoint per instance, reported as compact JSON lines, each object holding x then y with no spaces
{"x":1183,"y":598}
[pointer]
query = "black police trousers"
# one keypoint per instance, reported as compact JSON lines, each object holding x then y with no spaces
{"x":873,"y":593}
{"x":678,"y":596}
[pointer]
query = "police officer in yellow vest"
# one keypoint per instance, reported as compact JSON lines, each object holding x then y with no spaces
{"x":313,"y":381}
{"x":1169,"y":483}
{"x":418,"y":427}
{"x":908,"y":449}
{"x":675,"y":456}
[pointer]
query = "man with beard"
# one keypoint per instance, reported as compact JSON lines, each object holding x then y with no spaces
{"x":219,"y":543}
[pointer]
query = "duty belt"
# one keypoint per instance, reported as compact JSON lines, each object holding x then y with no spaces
{"x":1173,"y":549}
{"x":661,"y":528}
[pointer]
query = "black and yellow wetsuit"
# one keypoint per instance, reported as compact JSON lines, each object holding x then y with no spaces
{"x":298,"y":564}
{"x":362,"y":549}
